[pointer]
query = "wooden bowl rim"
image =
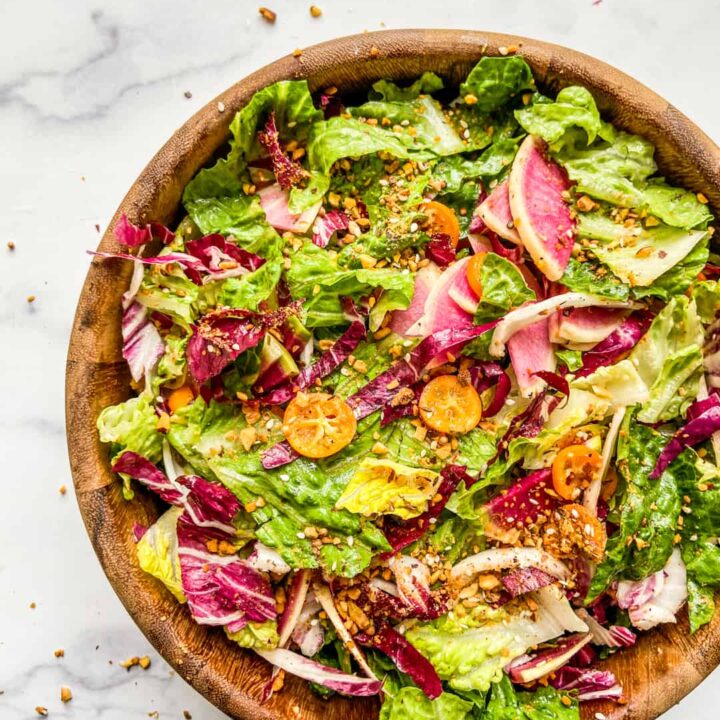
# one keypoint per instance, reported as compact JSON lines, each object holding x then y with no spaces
{"x":96,"y":488}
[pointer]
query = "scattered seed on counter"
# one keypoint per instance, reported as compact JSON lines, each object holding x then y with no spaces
{"x":267,"y":14}
{"x":315,"y":11}
{"x":65,"y":694}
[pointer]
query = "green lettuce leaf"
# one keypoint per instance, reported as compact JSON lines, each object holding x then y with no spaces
{"x":248,"y":291}
{"x":573,"y":107}
{"x":132,"y":425}
{"x":475,"y":449}
{"x":648,"y":511}
{"x":701,"y":605}
{"x":172,"y":364}
{"x":503,"y":286}
{"x":495,"y":81}
{"x":263,"y":636}
{"x":669,"y":360}
{"x":706,"y":295}
{"x":637,"y":255}
{"x":572,"y":359}
{"x":173,"y":295}
{"x":388,"y":91}
{"x":315,"y":276}
{"x":383,"y":487}
{"x":544,"y":703}
{"x":157,"y":552}
{"x":242,"y":217}
{"x":593,"y":278}
{"x":411,"y":702}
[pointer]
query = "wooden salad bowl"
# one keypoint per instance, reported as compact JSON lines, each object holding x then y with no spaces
{"x":656,"y":673}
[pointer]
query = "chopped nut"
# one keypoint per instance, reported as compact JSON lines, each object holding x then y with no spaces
{"x":248,"y":436}
{"x":374,"y":51}
{"x":702,"y":198}
{"x":487,"y":582}
{"x":585,"y":204}
{"x":65,"y":694}
{"x":315,"y":11}
{"x":31,"y":298}
{"x":63,"y":489}
{"x":11,"y":245}
{"x":59,"y":653}
{"x":33,"y":605}
{"x":267,"y":14}
{"x":144,"y":662}
{"x":379,"y":449}
{"x":163,"y":422}
{"x":40,"y":710}
{"x":297,"y":52}
{"x":470,"y":99}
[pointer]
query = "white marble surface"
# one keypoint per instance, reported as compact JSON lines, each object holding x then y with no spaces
{"x":88,"y":91}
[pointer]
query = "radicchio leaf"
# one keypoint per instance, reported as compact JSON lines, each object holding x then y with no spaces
{"x":223,"y":334}
{"x":524,"y":501}
{"x":325,"y":364}
{"x":142,"y":344}
{"x":440,"y":250}
{"x":590,"y":684}
{"x":617,"y":344}
{"x":325,"y":227}
{"x":525,"y":580}
{"x":547,"y":660}
{"x":406,"y":658}
{"x":703,"y":421}
{"x":323,"y":675}
{"x":132,"y":235}
{"x":288,"y":172}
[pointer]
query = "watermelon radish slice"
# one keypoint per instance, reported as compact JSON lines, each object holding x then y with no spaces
{"x":542,"y":218}
{"x":441,"y":311}
{"x":462,"y":294}
{"x":587,"y":326}
{"x":274,"y":201}
{"x":496,"y":214}
{"x":403,"y":320}
{"x":531,"y":351}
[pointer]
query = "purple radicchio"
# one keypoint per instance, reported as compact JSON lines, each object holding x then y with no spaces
{"x":527,"y":669}
{"x":222,"y":335}
{"x":440,"y":250}
{"x":407,"y":659}
{"x":590,"y":684}
{"x":132,"y":235}
{"x":525,"y":580}
{"x":325,"y":227}
{"x":142,"y":344}
{"x":325,"y":364}
{"x":288,"y":172}
{"x":703,"y":420}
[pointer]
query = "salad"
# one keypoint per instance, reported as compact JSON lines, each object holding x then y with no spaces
{"x":429,"y":386}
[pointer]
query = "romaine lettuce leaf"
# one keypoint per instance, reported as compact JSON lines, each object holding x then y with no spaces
{"x":384,"y":487}
{"x":503,"y":287}
{"x":495,"y":81}
{"x":706,"y":295}
{"x":262,"y":635}
{"x":411,"y":702}
{"x":544,"y":703}
{"x":593,"y":278}
{"x":157,"y":552}
{"x":132,"y":425}
{"x":173,"y":295}
{"x":669,"y":360}
{"x":248,"y":291}
{"x":573,"y":107}
{"x":315,"y":277}
{"x":648,"y":511}
{"x":388,"y":91}
{"x":172,"y":365}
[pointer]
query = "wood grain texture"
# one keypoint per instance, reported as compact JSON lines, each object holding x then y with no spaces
{"x":665,"y":664}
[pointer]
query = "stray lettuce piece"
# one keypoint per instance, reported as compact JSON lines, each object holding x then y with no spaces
{"x":669,"y":360}
{"x":132,"y":425}
{"x":573,"y":107}
{"x":388,"y":91}
{"x":431,"y":128}
{"x":411,"y":702}
{"x":572,"y":359}
{"x":383,"y":487}
{"x":315,"y":277}
{"x":223,"y":179}
{"x":261,"y":635}
{"x":637,"y":255}
{"x":503,"y":286}
{"x":648,"y":511}
{"x":340,"y":137}
{"x":248,"y":291}
{"x":593,"y":278}
{"x":675,"y":206}
{"x":173,"y":363}
{"x":678,"y":278}
{"x":242,"y":217}
{"x":495,"y":81}
{"x":157,"y":552}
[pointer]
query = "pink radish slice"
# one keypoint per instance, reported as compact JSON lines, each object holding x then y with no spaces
{"x":542,"y":218}
{"x":479,"y":243}
{"x":274,"y":201}
{"x":589,"y":324}
{"x":496,"y":214}
{"x":426,"y":278}
{"x":462,"y":294}
{"x":531,"y":351}
{"x":441,"y":311}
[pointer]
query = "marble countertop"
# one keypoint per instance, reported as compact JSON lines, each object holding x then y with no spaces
{"x":88,"y":91}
